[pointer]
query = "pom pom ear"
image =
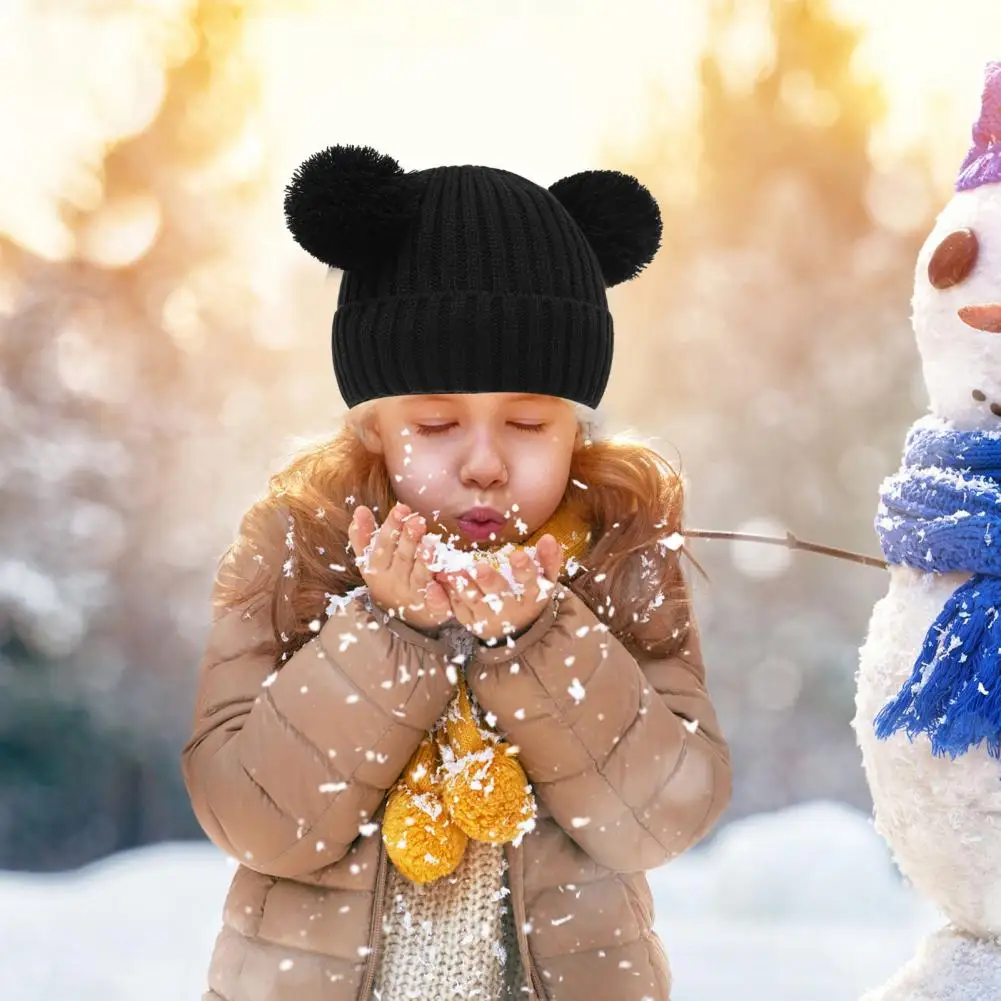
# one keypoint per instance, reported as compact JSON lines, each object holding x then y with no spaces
{"x":619,"y":217}
{"x":349,"y":205}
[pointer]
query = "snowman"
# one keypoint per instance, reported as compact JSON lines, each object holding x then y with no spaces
{"x":928,"y":702}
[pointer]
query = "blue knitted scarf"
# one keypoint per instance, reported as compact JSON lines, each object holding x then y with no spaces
{"x":942,"y":512}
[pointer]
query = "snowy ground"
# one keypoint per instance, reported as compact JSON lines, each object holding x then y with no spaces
{"x":782,"y":907}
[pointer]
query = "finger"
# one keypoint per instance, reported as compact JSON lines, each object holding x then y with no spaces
{"x":529,"y":577}
{"x":474,"y":614}
{"x":498,"y":594}
{"x":421,"y":575}
{"x":524,"y":568}
{"x":360,"y":530}
{"x":385,"y":541}
{"x":494,"y":590}
{"x":437,"y":602}
{"x":411,"y":533}
{"x":459,"y":583}
{"x":464,"y":595}
{"x":470,"y":590}
{"x":456,"y":599}
{"x":488,"y":580}
{"x":550,"y":556}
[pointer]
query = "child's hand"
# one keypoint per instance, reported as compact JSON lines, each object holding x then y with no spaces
{"x":484,"y":603}
{"x":397,"y":574}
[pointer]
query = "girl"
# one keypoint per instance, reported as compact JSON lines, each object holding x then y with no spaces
{"x":444,"y":778}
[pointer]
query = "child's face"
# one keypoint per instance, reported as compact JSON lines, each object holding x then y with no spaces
{"x":494,"y":466}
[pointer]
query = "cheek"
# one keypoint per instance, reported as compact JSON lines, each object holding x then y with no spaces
{"x":540,"y":478}
{"x":418,"y":474}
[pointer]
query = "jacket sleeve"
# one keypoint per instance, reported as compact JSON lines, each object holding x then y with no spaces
{"x":626,"y":754}
{"x":285,"y":768}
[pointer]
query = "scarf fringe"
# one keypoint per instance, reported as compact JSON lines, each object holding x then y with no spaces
{"x":953,"y":695}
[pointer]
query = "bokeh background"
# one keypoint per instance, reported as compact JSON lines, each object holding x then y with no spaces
{"x":164,"y":345}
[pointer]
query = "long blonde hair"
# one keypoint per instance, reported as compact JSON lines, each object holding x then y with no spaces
{"x":631,"y":578}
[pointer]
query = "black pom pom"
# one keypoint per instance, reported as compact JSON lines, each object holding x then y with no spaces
{"x":619,"y":217}
{"x":349,"y":205}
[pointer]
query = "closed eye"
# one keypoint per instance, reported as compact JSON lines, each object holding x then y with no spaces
{"x":433,"y":429}
{"x":430,"y":429}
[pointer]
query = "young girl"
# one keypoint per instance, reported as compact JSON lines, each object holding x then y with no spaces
{"x":452,"y":704}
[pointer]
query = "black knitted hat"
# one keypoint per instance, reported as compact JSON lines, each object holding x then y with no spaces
{"x":470,"y":279}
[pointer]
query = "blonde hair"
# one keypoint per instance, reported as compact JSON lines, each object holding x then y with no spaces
{"x":628,"y":494}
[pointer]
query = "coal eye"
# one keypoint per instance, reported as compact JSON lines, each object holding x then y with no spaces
{"x":953,"y":259}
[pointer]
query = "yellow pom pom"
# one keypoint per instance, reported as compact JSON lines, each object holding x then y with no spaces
{"x":488,"y":796}
{"x":420,"y":837}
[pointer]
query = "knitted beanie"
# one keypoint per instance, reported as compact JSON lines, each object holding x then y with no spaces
{"x":467,"y":279}
{"x":982,"y":164}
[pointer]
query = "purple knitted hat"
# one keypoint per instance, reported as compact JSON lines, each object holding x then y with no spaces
{"x":983,"y":162}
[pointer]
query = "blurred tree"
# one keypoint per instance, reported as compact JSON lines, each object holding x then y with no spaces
{"x":778,"y":357}
{"x":123,"y":302}
{"x":784,"y":101}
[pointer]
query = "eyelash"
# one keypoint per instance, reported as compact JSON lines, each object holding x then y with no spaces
{"x":433,"y":429}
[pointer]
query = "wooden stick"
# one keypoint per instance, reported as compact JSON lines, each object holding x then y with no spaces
{"x":790,"y":542}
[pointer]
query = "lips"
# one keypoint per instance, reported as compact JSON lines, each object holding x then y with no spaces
{"x":479,"y":523}
{"x":983,"y":317}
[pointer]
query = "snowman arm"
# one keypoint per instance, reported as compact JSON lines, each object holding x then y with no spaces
{"x":626,"y":754}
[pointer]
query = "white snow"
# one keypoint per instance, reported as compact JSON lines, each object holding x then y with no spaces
{"x":803,"y":903}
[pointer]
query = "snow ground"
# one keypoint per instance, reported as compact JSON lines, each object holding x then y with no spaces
{"x":802,"y":903}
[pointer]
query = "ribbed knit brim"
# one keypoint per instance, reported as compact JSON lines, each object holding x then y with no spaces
{"x":494,"y":289}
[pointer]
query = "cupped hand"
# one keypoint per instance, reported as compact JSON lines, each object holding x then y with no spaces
{"x":394,"y":567}
{"x":483,"y":601}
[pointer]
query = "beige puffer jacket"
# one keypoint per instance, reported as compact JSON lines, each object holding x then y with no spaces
{"x":288,"y":772}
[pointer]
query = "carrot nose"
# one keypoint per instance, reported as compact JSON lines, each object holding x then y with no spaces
{"x":983,"y":317}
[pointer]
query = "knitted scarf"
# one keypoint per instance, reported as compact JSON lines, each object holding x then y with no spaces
{"x":941,"y":512}
{"x":463,"y":781}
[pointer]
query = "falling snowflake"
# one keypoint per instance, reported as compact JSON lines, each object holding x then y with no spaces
{"x":672,"y":542}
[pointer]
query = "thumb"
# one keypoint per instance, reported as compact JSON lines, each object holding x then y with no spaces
{"x":550,"y":555}
{"x":360,"y":529}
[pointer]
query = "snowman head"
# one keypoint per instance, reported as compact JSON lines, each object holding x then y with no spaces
{"x":957,"y":283}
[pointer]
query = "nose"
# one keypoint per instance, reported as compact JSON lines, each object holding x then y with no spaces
{"x":984,"y":317}
{"x":483,"y":465}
